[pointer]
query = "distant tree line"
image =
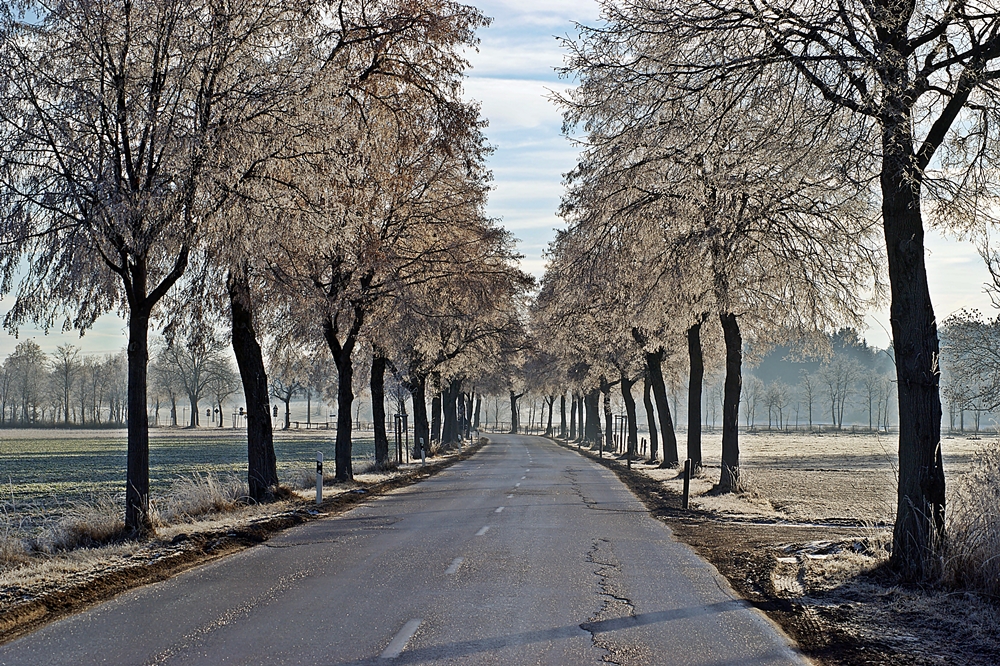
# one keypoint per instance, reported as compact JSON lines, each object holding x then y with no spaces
{"x":61,"y":388}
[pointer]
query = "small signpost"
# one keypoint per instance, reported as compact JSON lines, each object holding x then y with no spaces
{"x":319,"y":477}
{"x":687,"y":483}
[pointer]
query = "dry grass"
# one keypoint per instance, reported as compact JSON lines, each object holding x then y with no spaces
{"x":973,"y":553}
{"x":198,"y":495}
{"x":84,"y":524}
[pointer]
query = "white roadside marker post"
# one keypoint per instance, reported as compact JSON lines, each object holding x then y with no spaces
{"x":319,"y":477}
{"x":423,"y":452}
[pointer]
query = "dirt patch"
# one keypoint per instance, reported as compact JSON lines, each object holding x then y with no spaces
{"x":60,"y":589}
{"x":819,"y":574}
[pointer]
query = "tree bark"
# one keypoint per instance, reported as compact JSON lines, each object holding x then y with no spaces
{"x":562,"y":416}
{"x":342,"y":353}
{"x":633,"y":435}
{"x":654,"y":365}
{"x":696,"y":380}
{"x":417,"y":386}
{"x":609,"y":441}
{"x":572,"y":418}
{"x":592,"y":427}
{"x":551,"y":400}
{"x":344,"y":470}
{"x":377,"y":386}
{"x":479,"y":405}
{"x":514,"y":420}
{"x":647,"y":402}
{"x":918,"y":535}
{"x":450,"y":396}
{"x":436,"y":417}
{"x":137,"y":519}
{"x":729,"y":481}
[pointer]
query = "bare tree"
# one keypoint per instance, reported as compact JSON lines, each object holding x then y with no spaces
{"x":223,"y":382}
{"x":27,"y":367}
{"x":840,"y":376}
{"x":289,"y":375}
{"x":65,"y":367}
{"x":753,"y":394}
{"x":807,"y":388}
{"x":192,"y":358}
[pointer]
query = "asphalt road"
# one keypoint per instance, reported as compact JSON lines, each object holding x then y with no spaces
{"x":525,"y":553}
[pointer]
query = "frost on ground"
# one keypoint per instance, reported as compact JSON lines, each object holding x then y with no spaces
{"x":809,"y":535}
{"x":80,"y":556}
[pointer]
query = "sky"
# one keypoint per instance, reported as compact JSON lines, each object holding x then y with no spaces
{"x":512,"y":76}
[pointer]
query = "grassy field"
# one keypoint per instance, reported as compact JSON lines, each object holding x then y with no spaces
{"x":43,"y":470}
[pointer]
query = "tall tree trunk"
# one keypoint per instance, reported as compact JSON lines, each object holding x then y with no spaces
{"x":633,"y":435}
{"x":647,"y":402}
{"x":137,"y":517}
{"x":609,"y":440}
{"x":729,"y":480}
{"x":654,"y":366}
{"x":450,"y":395}
{"x":342,"y":353}
{"x":194,"y":411}
{"x":436,"y":417}
{"x":417,"y":386}
{"x":572,"y":418}
{"x":344,"y":470}
{"x":562,"y":416}
{"x":695,"y":382}
{"x":377,"y":386}
{"x":514,"y":418}
{"x":552,"y":403}
{"x":918,"y":534}
{"x":479,"y":405}
{"x":592,"y":427}
{"x":466,"y":414}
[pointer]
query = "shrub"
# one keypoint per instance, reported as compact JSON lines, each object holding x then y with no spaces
{"x":200,"y":494}
{"x":972,"y":559}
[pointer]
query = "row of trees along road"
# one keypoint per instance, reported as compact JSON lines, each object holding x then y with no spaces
{"x":738,"y":159}
{"x":298,"y":169}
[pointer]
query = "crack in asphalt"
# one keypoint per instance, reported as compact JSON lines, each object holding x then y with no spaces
{"x":591,"y":503}
{"x":615,"y":605}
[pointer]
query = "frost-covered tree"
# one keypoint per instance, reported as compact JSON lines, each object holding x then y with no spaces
{"x":749,"y":211}
{"x":124,"y":127}
{"x":907,"y":90}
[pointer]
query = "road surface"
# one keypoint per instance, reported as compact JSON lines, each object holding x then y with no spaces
{"x":526,"y":553}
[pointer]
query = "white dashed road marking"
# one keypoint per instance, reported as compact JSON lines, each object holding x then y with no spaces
{"x":483,"y":531}
{"x":398,"y":644}
{"x":455,"y":564}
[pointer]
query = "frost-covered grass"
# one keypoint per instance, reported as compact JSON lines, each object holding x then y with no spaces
{"x":45,"y":472}
{"x":194,"y":496}
{"x":973,"y":549}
